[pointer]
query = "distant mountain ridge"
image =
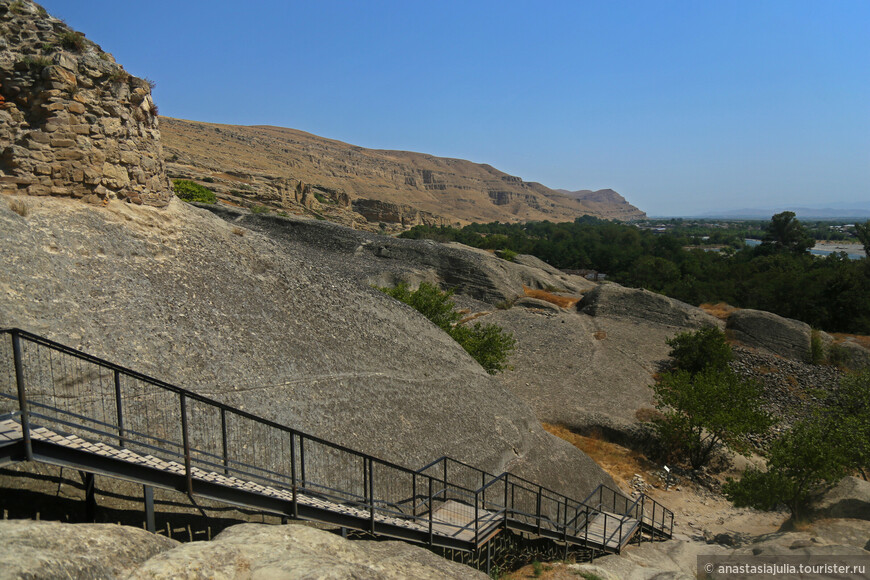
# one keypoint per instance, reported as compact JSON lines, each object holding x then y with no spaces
{"x":800,"y":213}
{"x":354,"y":184}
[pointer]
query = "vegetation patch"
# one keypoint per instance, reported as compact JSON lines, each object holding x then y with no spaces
{"x":618,"y":461}
{"x":705,"y":406}
{"x":547,"y":296}
{"x":720,"y":310}
{"x":190,"y":191}
{"x":488,"y":344}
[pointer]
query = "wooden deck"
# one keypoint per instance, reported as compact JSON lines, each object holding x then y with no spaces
{"x":612,"y":538}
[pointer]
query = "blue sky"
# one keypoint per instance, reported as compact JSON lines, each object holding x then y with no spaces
{"x":683,"y":107}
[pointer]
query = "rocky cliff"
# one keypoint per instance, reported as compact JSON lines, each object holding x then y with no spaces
{"x":247,"y":164}
{"x":72,"y":121}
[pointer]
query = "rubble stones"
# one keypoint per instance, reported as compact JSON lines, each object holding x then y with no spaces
{"x":73,"y":123}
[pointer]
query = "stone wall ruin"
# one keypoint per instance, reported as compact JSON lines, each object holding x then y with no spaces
{"x":73,"y":122}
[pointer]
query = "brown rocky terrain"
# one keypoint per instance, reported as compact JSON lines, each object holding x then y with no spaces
{"x":364,"y":187}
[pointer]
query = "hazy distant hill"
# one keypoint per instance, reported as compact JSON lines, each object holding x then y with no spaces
{"x":383,"y":186}
{"x":803,"y":213}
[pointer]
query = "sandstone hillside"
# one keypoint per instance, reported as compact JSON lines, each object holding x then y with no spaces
{"x":271,"y":327}
{"x":358,"y":186}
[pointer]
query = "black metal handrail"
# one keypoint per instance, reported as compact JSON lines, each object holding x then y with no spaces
{"x":111,"y":403}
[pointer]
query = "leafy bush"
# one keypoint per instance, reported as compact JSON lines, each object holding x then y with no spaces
{"x":705,"y":411}
{"x":800,"y":463}
{"x":817,"y":348}
{"x":193,"y":192}
{"x":814,"y":453}
{"x":508,"y":255}
{"x":488,"y":344}
{"x":695,"y":351}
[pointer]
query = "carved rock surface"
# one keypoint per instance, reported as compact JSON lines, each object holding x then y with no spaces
{"x":783,"y":336}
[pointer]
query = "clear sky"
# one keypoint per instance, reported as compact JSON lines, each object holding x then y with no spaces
{"x":682,"y":107}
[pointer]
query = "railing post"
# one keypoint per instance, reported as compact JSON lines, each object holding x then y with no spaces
{"x":431,"y":509}
{"x":414,"y":494}
{"x":476,"y":518}
{"x":293,"y":474}
{"x":119,"y":408}
{"x":186,"y":441}
{"x":445,"y":478}
{"x":565,"y":524}
{"x":538,"y":510}
{"x":148,"y":492}
{"x":22,"y":395}
{"x":506,"y":499}
{"x":302,"y":459}
{"x":226,"y":457}
{"x":371,"y":495}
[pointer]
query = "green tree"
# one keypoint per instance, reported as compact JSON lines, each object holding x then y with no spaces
{"x":429,"y":301}
{"x":189,"y":191}
{"x":862,"y":231}
{"x":704,"y":348}
{"x":850,"y":405}
{"x":488,"y":344}
{"x":786,"y":234}
{"x":707,"y":410}
{"x":800,"y":463}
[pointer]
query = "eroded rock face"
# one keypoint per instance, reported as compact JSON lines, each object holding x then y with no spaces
{"x":50,"y":550}
{"x":383,"y":261}
{"x":615,"y":301}
{"x":73,"y":122}
{"x":262,"y":551}
{"x":850,"y":498}
{"x":783,"y":336}
{"x":278,"y":329}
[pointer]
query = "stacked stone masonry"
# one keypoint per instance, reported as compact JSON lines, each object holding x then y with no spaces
{"x":72,"y":121}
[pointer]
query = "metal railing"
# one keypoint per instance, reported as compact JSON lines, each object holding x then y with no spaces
{"x":53,"y":386}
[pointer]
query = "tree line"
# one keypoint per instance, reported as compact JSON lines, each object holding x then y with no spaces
{"x":779,"y":275}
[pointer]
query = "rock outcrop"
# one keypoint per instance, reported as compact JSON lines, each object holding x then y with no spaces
{"x":444,"y":191}
{"x":49,"y":550}
{"x":279,"y":329}
{"x":615,"y":301}
{"x":73,"y":122}
{"x":262,"y":551}
{"x":383,"y":261}
{"x":850,"y":498}
{"x":783,"y":336}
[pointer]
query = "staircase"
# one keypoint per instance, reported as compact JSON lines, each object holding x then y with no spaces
{"x":64,"y":407}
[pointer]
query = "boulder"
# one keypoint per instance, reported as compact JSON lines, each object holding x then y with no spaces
{"x":850,"y":498}
{"x":782,"y":336}
{"x":850,"y":355}
{"x":615,"y":301}
{"x":294,"y":551}
{"x":49,"y":550}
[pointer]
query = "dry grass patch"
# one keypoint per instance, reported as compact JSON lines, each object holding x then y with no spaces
{"x":618,"y":461}
{"x":474,"y":316}
{"x":840,"y":337}
{"x":720,"y":310}
{"x":20,"y":207}
{"x":563,"y":301}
